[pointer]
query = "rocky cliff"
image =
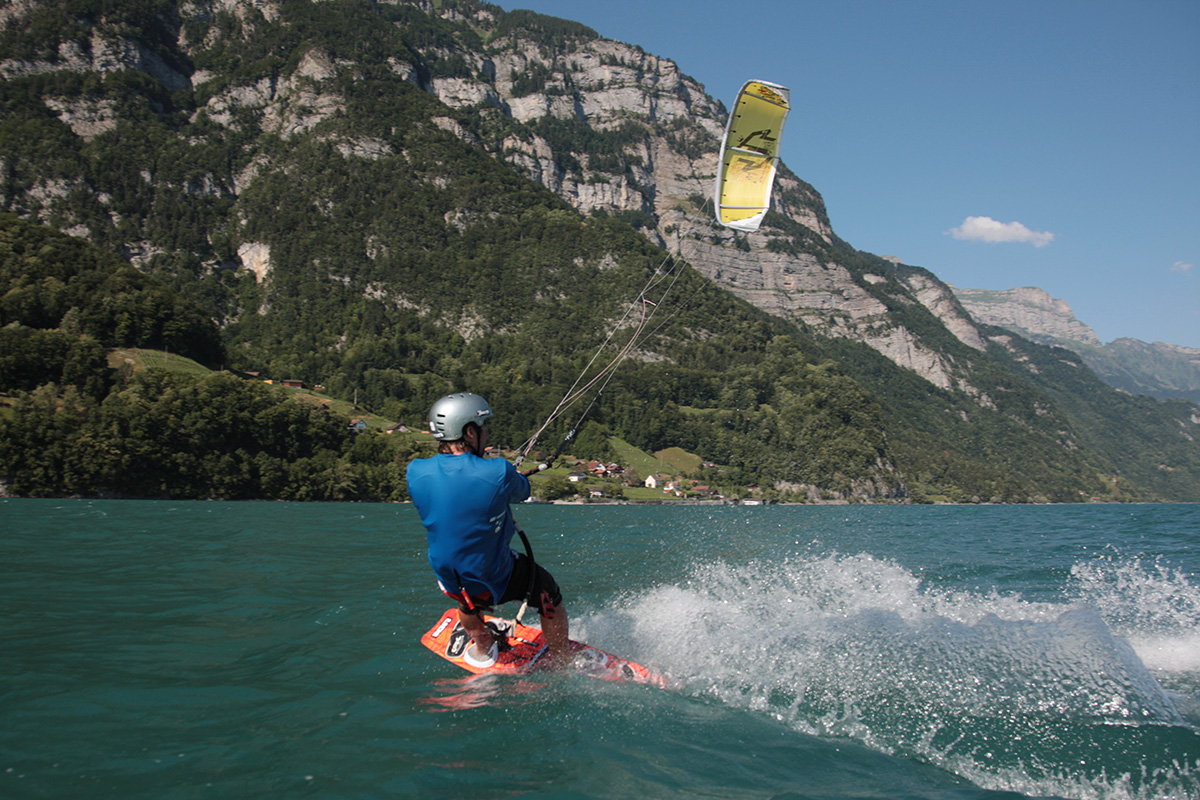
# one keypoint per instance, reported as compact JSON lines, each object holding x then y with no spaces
{"x":605,"y":125}
{"x":1029,"y":311}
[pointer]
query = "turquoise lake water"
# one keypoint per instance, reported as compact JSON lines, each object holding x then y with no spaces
{"x":223,"y":650}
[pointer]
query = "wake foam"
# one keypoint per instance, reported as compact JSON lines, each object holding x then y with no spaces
{"x":1038,"y":697}
{"x":1152,"y":605}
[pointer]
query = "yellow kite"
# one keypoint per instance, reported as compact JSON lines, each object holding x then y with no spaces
{"x":749,"y":154}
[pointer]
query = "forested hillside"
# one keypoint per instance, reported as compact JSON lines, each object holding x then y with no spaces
{"x":233,"y":426}
{"x":318,"y":183}
{"x":76,"y":424}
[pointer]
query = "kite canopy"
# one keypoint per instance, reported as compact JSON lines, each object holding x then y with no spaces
{"x":749,"y":154}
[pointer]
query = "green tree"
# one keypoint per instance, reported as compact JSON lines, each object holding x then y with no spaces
{"x":592,"y":442}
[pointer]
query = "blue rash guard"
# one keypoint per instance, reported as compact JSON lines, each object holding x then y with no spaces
{"x":463,"y":502}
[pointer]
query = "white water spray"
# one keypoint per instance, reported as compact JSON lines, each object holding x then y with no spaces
{"x":1012,"y":694}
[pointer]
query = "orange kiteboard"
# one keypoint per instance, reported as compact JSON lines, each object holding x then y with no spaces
{"x":526,"y":648}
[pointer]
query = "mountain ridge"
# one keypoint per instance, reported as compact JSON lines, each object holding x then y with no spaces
{"x":1158,"y":369}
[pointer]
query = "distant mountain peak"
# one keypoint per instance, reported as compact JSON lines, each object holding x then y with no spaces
{"x":1161,"y":370}
{"x":1029,"y":311}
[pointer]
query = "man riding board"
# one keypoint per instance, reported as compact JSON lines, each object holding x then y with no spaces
{"x":463,"y":499}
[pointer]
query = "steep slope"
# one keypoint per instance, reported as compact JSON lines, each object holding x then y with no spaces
{"x":345,"y":234}
{"x":1158,"y":369}
{"x":1150,"y":443}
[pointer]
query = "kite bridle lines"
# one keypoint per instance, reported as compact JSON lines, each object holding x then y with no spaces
{"x":644,"y":309}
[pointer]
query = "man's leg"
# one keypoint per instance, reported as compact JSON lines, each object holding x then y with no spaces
{"x":555,"y":630}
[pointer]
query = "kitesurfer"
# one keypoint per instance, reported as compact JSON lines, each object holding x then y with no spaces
{"x":463,"y":499}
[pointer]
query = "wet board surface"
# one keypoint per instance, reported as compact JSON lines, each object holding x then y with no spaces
{"x":527,"y":649}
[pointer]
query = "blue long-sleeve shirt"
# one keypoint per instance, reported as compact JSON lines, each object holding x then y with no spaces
{"x":463,"y":502}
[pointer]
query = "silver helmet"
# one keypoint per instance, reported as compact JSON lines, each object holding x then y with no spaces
{"x":450,"y":415}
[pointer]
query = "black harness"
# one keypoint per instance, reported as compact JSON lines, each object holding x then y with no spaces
{"x":471,"y":608}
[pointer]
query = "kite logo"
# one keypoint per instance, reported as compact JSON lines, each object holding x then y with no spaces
{"x":438,"y":630}
{"x":764,"y":134}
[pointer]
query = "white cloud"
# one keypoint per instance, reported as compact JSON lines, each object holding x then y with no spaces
{"x":1180,"y":266}
{"x":986,"y":229}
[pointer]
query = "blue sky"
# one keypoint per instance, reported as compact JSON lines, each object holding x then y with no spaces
{"x":1053,"y":143}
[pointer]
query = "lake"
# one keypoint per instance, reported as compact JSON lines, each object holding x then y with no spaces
{"x":159,"y":649}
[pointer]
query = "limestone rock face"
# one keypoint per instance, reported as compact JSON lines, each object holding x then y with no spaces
{"x":1029,"y":311}
{"x":86,"y":118}
{"x":939,"y":298}
{"x":256,"y":257}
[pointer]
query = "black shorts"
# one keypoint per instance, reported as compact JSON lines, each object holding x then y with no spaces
{"x":545,"y":596}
